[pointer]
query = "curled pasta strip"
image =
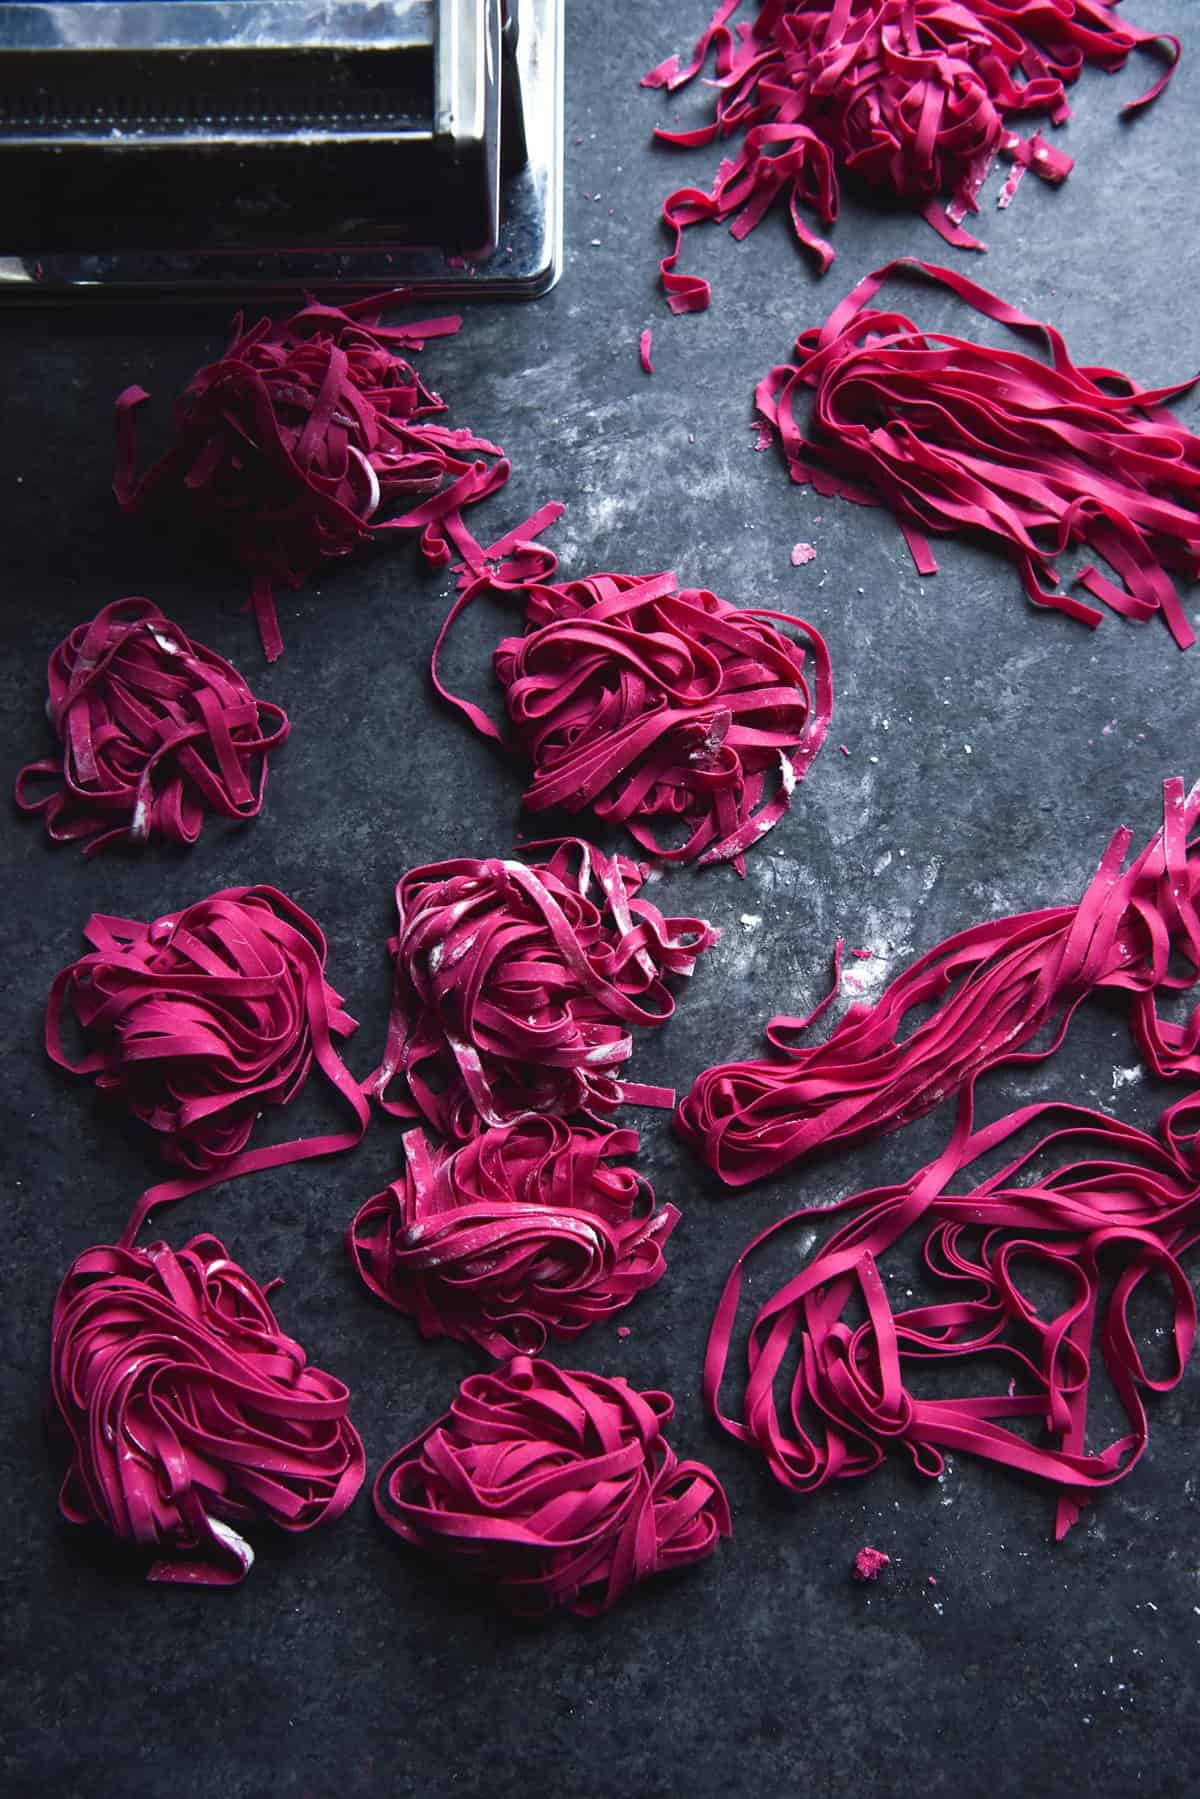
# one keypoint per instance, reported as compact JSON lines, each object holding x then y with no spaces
{"x":1107,"y":1222}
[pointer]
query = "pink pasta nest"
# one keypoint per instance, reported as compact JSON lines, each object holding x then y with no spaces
{"x":912,"y":99}
{"x":156,"y":731}
{"x":526,"y":1232}
{"x":201,"y":1021}
{"x":658,"y":707}
{"x":552,"y":1488}
{"x":288,"y":447}
{"x":188,"y":1413}
{"x":516,"y":985}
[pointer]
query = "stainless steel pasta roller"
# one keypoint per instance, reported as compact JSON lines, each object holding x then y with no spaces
{"x":261,"y":146}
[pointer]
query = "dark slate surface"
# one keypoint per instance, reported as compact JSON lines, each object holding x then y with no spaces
{"x":341,"y":1667}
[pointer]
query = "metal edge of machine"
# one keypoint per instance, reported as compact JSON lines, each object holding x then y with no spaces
{"x":525,"y":263}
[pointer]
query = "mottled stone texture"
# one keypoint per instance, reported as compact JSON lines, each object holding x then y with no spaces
{"x":341,"y":1668}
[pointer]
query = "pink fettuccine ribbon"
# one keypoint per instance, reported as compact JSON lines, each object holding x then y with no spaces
{"x":954,"y":436}
{"x":654,"y":705}
{"x":914,"y":99}
{"x":992,"y":989}
{"x":289,"y":445}
{"x":554,"y":1488}
{"x":201,"y":1021}
{"x":156,"y":731}
{"x":516,"y":985}
{"x":523,"y":1233}
{"x":828,"y":1361}
{"x":189,"y":1413}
